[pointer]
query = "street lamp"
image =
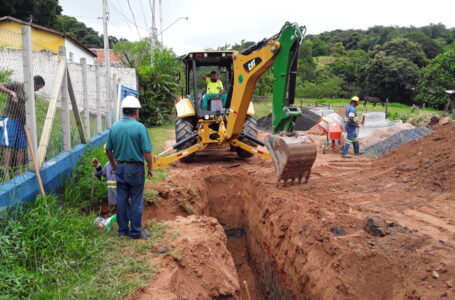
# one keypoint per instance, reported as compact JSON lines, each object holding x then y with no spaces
{"x":181,"y":18}
{"x":154,"y":36}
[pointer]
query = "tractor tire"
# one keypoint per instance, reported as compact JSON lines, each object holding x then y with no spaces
{"x":249,"y":127}
{"x":185,"y":127}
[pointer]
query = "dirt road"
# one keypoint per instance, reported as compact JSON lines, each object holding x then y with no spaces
{"x":362,"y":228}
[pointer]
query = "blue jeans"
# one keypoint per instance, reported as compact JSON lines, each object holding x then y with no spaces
{"x":351,"y":139}
{"x":130,"y":185}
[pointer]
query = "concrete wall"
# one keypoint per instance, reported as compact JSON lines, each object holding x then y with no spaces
{"x":24,"y":188}
{"x":74,"y":53}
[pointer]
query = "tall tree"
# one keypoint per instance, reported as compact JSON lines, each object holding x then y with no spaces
{"x":403,"y":48}
{"x":437,"y":77}
{"x":319,"y":47}
{"x":78,"y":30}
{"x":338,"y":49}
{"x":350,"y":68}
{"x":40,"y":12}
{"x":134,"y":54}
{"x":389,"y":76}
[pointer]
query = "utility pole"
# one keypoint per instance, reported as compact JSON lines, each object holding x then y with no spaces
{"x":107,"y":64}
{"x":161,"y":21}
{"x":153,"y":31}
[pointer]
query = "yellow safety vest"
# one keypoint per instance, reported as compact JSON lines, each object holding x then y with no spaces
{"x":214,"y":87}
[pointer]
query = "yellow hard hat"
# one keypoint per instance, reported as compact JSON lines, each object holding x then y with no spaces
{"x":355,"y":98}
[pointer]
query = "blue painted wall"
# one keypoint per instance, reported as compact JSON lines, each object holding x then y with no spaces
{"x":54,"y":173}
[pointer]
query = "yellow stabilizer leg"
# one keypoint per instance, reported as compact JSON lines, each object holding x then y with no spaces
{"x":250,"y":149}
{"x":162,"y":162}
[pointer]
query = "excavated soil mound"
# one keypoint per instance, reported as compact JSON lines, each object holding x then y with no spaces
{"x":429,"y":161}
{"x":194,"y":265}
{"x":360,"y":229}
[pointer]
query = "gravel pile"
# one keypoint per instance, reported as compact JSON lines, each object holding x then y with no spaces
{"x":382,"y":133}
{"x":396,"y":140}
{"x":265,"y":123}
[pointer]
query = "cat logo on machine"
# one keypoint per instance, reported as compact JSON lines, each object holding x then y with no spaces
{"x":251,"y":64}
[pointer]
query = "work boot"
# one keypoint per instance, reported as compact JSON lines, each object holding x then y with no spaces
{"x":358,"y":153}
{"x":345,"y":155}
{"x":144,"y":236}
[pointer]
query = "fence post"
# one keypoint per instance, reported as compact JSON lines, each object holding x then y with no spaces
{"x":114,"y":100}
{"x":65,"y":107}
{"x":99,"y":128}
{"x":108,"y":98}
{"x":386,"y":107}
{"x":29,"y":89}
{"x":117,"y":97}
{"x":85,"y":99}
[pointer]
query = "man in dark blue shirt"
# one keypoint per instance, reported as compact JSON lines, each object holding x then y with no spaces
{"x":351,"y":119}
{"x":128,"y":143}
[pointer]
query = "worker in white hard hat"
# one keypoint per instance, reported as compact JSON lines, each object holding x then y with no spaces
{"x":351,"y":119}
{"x":128,"y":144}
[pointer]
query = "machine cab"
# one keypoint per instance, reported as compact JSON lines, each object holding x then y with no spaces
{"x":198,"y":64}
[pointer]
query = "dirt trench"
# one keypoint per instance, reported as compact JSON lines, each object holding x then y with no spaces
{"x":282,"y":240}
{"x":232,"y":201}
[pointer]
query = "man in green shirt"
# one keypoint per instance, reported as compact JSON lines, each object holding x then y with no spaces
{"x":215,"y":89}
{"x":128,"y":143}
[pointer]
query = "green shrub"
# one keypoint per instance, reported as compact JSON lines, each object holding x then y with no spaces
{"x":49,"y":251}
{"x":82,"y":189}
{"x":43,"y":245}
{"x":327,"y":88}
{"x":422,"y":118}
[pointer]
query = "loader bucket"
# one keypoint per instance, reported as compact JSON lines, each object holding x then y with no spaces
{"x":293,"y":156}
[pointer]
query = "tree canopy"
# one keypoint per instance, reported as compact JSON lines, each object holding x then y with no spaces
{"x":48,"y":13}
{"x":42,"y":12}
{"x":437,"y":77}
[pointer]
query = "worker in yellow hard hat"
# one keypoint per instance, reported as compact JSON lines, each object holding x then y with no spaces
{"x":352,"y":120}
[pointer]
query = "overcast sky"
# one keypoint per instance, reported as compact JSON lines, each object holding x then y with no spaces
{"x":212,"y":23}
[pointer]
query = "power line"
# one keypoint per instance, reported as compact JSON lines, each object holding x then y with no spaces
{"x":120,"y":13}
{"x":134,"y":19}
{"x":152,"y":8}
{"x":143,"y":13}
{"x":86,"y":17}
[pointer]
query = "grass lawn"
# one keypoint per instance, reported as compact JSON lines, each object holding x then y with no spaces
{"x":322,"y":61}
{"x":159,"y":135}
{"x":51,"y":251}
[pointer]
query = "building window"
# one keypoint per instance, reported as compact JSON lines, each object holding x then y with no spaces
{"x":71,"y":57}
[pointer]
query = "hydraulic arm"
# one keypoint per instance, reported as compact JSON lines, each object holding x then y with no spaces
{"x":292,"y":154}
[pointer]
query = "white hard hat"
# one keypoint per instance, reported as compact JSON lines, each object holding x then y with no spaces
{"x":130,"y":102}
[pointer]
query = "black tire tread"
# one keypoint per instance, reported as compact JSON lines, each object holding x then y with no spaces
{"x":185,"y":127}
{"x":249,"y":127}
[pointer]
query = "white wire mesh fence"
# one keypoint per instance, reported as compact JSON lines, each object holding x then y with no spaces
{"x":57,"y":85}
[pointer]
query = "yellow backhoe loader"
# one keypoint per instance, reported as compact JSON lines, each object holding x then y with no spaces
{"x":229,"y":118}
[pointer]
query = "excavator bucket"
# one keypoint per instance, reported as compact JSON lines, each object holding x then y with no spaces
{"x":293,"y":156}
